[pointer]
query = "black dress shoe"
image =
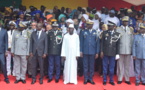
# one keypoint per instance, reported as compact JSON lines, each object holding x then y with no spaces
{"x":33,"y":82}
{"x":57,"y":80}
{"x":85,"y":81}
{"x":143,"y":83}
{"x":128,"y":82}
{"x":92,"y":82}
{"x":49,"y":80}
{"x":119,"y":82}
{"x":137,"y":84}
{"x":41,"y":81}
{"x":112,"y":83}
{"x":7,"y":81}
{"x":29,"y":76}
{"x":23,"y":81}
{"x":17,"y":81}
{"x":47,"y":77}
{"x":104,"y":83}
{"x":80,"y":74}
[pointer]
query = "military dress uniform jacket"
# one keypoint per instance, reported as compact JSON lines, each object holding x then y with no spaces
{"x":54,"y":42}
{"x":31,"y":30}
{"x":109,"y":43}
{"x":138,"y":48}
{"x":89,"y":42}
{"x":126,"y":40}
{"x":20,"y":42}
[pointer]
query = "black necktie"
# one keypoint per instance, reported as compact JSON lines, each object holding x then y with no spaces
{"x":21,"y":32}
{"x":125,"y":29}
{"x":37,"y":34}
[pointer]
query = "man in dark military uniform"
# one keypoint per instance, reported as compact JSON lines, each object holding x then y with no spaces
{"x":109,"y":43}
{"x":89,"y":48}
{"x":54,"y":50}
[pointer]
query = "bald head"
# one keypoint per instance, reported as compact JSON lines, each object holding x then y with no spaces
{"x":48,"y":27}
{"x":33,"y":25}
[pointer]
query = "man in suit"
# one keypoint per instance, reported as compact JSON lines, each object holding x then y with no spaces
{"x":46,"y":63}
{"x":109,"y":43}
{"x":20,"y":52}
{"x":38,"y":50}
{"x":125,"y":50}
{"x":3,"y":51}
{"x":54,"y":49}
{"x":32,"y":29}
{"x":138,"y":51}
{"x":89,"y":48}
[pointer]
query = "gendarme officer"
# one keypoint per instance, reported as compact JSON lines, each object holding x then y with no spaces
{"x":109,"y":43}
{"x":54,"y":49}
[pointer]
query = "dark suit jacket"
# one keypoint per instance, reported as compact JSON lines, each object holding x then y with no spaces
{"x":108,"y":48}
{"x":39,"y":45}
{"x":3,"y":41}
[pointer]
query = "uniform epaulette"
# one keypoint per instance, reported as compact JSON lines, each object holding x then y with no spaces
{"x":136,"y":33}
{"x":60,"y":30}
{"x":28,"y":31}
{"x":132,"y":29}
{"x":117,"y":27}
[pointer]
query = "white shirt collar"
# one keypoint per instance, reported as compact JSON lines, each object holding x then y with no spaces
{"x":111,"y":31}
{"x":34,"y":29}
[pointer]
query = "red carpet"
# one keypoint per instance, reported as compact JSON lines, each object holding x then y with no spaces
{"x":61,"y":86}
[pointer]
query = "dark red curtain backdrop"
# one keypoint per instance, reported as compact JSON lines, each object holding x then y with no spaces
{"x":111,"y":3}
